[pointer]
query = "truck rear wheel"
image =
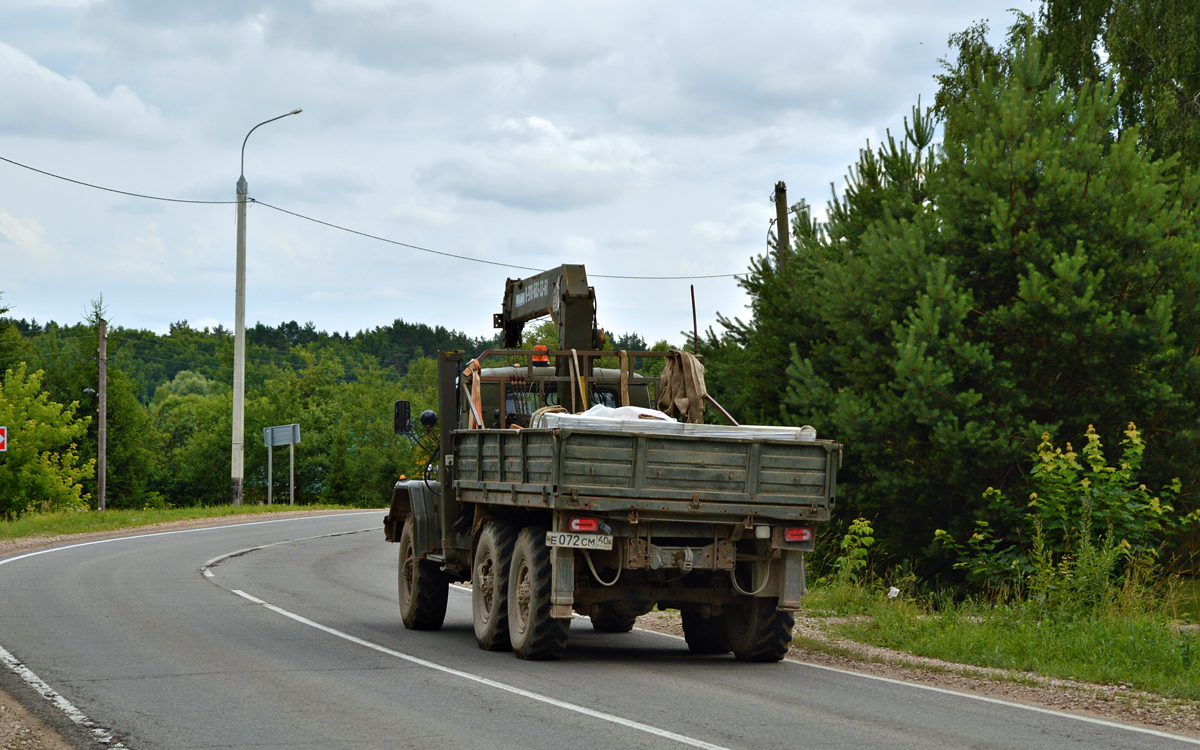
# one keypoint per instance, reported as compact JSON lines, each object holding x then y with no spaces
{"x":533,"y":632}
{"x":757,"y":631}
{"x":423,"y":586}
{"x":616,"y":617}
{"x":705,"y":635}
{"x":489,"y":585}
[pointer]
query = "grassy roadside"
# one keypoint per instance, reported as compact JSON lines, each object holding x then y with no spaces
{"x":1143,"y":650}
{"x":1187,"y":600}
{"x":57,"y":524}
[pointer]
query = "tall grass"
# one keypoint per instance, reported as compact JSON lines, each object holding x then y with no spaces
{"x":1185,"y":601}
{"x":1142,"y":650}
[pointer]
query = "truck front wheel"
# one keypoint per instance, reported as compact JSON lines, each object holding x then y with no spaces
{"x":758,"y":631}
{"x":423,"y":586}
{"x":533,"y":632}
{"x":489,"y":585}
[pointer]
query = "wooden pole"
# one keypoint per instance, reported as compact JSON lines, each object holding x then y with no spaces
{"x":102,"y":419}
{"x":783,"y":242}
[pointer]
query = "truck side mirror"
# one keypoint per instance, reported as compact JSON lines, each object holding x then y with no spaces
{"x":429,"y":418}
{"x":402,"y":419}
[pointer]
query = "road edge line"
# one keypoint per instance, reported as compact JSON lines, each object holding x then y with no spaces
{"x":973,"y":696}
{"x":56,"y":699}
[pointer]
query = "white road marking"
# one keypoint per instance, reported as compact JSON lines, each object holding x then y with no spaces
{"x":99,"y":733}
{"x":109,"y":540}
{"x":973,"y":696}
{"x":207,"y":564}
{"x":48,"y":692}
{"x":1011,"y":704}
{"x":628,"y":723}
{"x":102,"y":735}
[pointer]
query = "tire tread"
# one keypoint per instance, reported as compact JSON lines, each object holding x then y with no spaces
{"x":431,"y":589}
{"x":548,"y":637}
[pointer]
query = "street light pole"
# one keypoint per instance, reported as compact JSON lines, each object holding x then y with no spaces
{"x":237,"y":465}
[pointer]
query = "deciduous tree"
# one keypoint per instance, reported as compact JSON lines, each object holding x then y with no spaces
{"x":41,"y":469}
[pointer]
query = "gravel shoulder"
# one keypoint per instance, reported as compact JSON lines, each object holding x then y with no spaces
{"x":22,"y":729}
{"x":1112,"y":702}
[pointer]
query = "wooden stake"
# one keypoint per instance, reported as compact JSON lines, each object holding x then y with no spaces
{"x":783,"y":243}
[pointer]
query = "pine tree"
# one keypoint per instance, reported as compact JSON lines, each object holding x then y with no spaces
{"x":1036,"y":273}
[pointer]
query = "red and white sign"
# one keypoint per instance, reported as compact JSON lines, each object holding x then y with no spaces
{"x":3,"y":438}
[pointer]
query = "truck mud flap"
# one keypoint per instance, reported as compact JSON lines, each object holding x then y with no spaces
{"x":418,"y":499}
{"x":562,"y":596}
{"x":793,"y":586}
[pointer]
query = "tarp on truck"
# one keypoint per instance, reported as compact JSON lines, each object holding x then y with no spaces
{"x":641,"y":421}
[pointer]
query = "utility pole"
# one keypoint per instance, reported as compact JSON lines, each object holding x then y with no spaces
{"x":237,"y":460}
{"x":237,"y":466}
{"x":781,"y":218}
{"x":102,"y":418}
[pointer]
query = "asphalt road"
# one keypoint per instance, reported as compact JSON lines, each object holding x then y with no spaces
{"x":299,"y":644}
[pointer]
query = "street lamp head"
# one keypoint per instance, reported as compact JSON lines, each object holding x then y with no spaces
{"x":242,"y":172}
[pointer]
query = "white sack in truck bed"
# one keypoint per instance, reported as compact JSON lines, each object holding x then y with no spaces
{"x":641,"y":421}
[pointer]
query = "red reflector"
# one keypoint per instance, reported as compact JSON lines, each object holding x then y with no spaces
{"x":583,"y":524}
{"x":798,"y":535}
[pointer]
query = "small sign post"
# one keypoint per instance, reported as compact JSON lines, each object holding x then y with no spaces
{"x":3,"y":438}
{"x":289,"y":435}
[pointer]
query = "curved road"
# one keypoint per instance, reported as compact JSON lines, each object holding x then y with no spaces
{"x":298,"y":644}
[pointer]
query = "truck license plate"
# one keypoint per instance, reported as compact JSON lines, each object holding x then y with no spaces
{"x":578,"y":541}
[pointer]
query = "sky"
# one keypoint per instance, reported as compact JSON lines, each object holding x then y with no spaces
{"x":636,"y":138}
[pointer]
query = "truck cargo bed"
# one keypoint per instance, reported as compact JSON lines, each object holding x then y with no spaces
{"x":735,"y":475}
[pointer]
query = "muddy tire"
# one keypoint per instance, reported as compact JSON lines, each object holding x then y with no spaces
{"x":489,"y":585}
{"x":705,"y":635}
{"x":616,"y":617}
{"x":757,"y":631}
{"x":534,"y":634}
{"x":422,"y":585}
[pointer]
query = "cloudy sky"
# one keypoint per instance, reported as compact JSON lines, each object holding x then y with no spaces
{"x":638,"y":138}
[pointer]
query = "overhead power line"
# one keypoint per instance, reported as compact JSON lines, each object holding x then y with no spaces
{"x":112,"y":190}
{"x":360,"y":233}
{"x":392,"y":242}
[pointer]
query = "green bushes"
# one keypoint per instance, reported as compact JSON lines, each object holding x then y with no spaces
{"x":1066,"y":584}
{"x":1085,"y":525}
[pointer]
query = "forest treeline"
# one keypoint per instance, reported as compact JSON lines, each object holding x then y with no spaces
{"x":169,"y":406}
{"x":169,"y":410}
{"x":1013,"y":278}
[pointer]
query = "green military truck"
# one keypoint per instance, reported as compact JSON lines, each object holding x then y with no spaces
{"x":548,"y":512}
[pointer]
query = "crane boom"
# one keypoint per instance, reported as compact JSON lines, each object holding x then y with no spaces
{"x":563,"y":294}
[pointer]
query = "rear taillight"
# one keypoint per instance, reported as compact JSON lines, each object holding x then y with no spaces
{"x":802,"y":534}
{"x":583,"y":524}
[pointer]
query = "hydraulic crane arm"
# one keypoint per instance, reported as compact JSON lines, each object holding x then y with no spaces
{"x":563,"y":294}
